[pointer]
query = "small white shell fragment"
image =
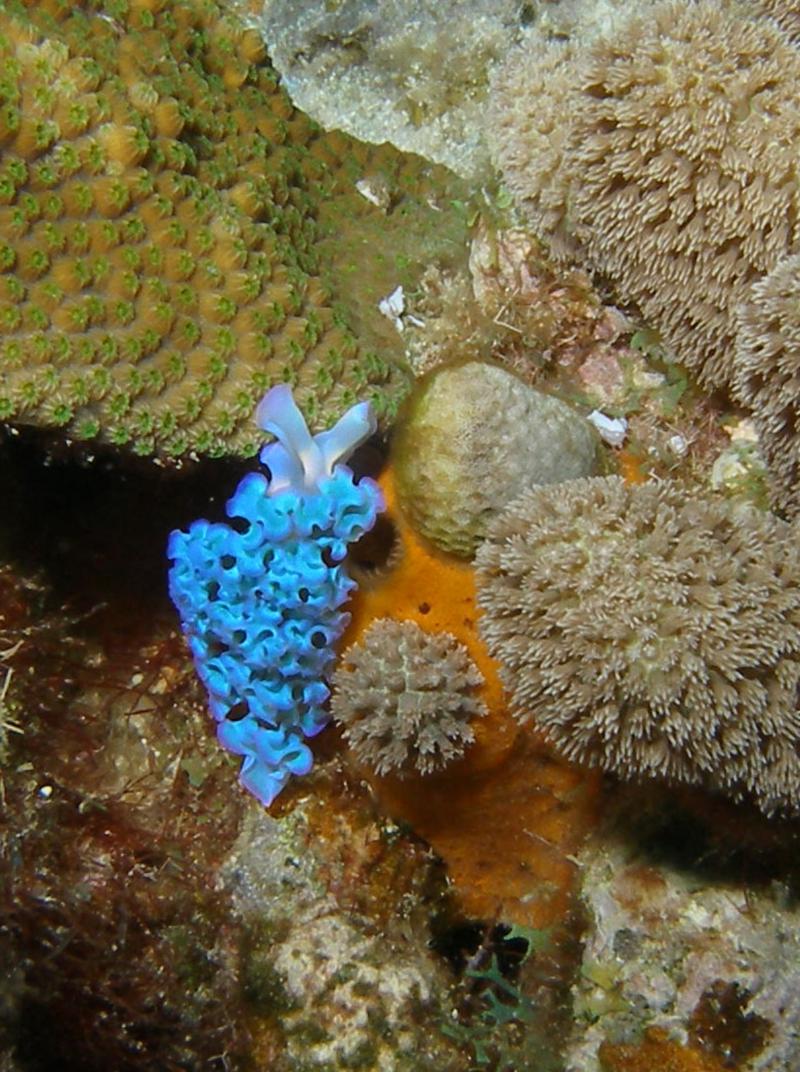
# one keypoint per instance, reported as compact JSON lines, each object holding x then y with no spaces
{"x":677,"y":445}
{"x":375,"y":190}
{"x":393,"y":306}
{"x":612,"y":430}
{"x":728,"y":468}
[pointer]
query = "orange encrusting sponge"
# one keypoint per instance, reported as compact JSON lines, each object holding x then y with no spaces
{"x":507,"y":817}
{"x":437,"y":591}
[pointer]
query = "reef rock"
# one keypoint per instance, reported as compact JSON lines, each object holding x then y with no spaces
{"x":330,"y":987}
{"x":708,"y":962}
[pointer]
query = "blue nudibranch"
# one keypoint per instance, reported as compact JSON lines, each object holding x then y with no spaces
{"x":259,"y":598}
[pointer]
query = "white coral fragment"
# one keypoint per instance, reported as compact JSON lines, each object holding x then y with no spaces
{"x":612,"y":430}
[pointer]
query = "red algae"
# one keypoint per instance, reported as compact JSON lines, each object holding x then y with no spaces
{"x":107,"y":851}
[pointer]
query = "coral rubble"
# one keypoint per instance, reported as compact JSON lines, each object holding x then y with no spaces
{"x":338,"y":967}
{"x":690,"y":958}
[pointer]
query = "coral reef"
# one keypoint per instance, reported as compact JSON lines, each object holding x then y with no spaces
{"x":767,"y":365}
{"x":152,"y":918}
{"x":260,"y":598}
{"x":338,"y":975}
{"x":410,"y":904}
{"x":405,"y":698}
{"x":473,"y":437}
{"x":651,"y":633}
{"x":159,"y":197}
{"x":665,"y":154}
{"x":124,"y":933}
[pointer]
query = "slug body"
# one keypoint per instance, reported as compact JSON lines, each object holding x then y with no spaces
{"x":259,"y":598}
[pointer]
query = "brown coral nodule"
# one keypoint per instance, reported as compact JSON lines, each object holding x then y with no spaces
{"x":471,"y":438}
{"x":405,"y":699}
{"x":651,"y":634}
{"x":673,"y":168}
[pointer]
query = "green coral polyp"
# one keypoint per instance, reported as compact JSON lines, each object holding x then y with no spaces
{"x":53,"y":207}
{"x":54,"y":240}
{"x":102,"y":102}
{"x":38,"y":319}
{"x":124,"y":312}
{"x":12,"y":353}
{"x":10,"y":318}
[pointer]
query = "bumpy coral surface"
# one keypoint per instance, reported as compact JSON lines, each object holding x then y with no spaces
{"x":158,"y":202}
{"x":768,"y":367}
{"x":666,"y":153}
{"x":406,"y":697}
{"x":475,"y":436}
{"x":650,"y":633}
{"x":785,"y":12}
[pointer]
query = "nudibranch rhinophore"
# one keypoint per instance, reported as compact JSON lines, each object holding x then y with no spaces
{"x":259,"y":598}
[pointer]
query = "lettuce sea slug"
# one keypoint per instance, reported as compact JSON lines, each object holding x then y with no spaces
{"x":259,"y":597}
